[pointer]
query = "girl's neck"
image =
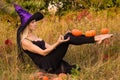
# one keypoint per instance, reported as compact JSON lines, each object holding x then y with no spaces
{"x":30,"y":33}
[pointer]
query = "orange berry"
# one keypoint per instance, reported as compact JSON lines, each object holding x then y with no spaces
{"x":62,"y":75}
{"x":45,"y":78}
{"x":104,"y":30}
{"x":88,"y":33}
{"x":32,"y":77}
{"x":93,"y":32}
{"x":58,"y":78}
{"x":76,"y":32}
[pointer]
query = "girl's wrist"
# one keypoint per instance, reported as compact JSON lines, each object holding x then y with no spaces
{"x":58,"y":42}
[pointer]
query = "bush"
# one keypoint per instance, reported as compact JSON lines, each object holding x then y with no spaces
{"x":32,"y":5}
{"x":68,"y":5}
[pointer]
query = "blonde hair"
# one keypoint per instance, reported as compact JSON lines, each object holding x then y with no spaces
{"x":24,"y":34}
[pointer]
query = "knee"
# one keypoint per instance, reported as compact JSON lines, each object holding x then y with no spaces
{"x":68,"y":34}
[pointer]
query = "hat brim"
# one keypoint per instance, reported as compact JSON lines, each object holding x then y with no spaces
{"x":37,"y":16}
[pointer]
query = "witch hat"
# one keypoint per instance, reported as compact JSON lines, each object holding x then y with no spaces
{"x":25,"y":16}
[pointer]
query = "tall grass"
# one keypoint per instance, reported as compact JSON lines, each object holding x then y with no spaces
{"x":97,"y":62}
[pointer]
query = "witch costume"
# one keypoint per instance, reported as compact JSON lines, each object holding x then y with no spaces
{"x":53,"y":62}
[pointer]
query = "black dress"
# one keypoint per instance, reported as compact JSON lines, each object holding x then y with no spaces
{"x":53,"y":62}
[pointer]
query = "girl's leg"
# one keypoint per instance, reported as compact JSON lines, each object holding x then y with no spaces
{"x":53,"y":60}
{"x":78,"y":40}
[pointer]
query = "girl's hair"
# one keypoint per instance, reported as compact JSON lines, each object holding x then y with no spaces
{"x":22,"y":33}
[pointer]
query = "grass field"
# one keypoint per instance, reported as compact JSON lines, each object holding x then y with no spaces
{"x":97,"y":62}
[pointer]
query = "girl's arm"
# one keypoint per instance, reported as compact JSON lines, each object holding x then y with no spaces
{"x":28,"y":45}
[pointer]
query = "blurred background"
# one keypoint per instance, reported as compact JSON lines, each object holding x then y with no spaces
{"x":97,"y":62}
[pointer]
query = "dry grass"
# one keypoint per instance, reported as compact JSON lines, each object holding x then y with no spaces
{"x":98,"y":62}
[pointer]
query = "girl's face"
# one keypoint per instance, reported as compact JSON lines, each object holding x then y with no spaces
{"x":32,"y":25}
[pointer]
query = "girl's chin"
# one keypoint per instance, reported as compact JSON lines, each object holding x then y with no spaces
{"x":34,"y":29}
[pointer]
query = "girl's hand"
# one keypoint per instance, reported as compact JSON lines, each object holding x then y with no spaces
{"x":61,"y":39}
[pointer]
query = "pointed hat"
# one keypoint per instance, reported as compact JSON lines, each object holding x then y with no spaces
{"x":26,"y":17}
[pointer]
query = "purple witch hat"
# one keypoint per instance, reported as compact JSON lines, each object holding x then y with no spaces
{"x":25,"y":16}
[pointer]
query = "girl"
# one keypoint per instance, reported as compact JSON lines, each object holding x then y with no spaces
{"x":45,"y":56}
